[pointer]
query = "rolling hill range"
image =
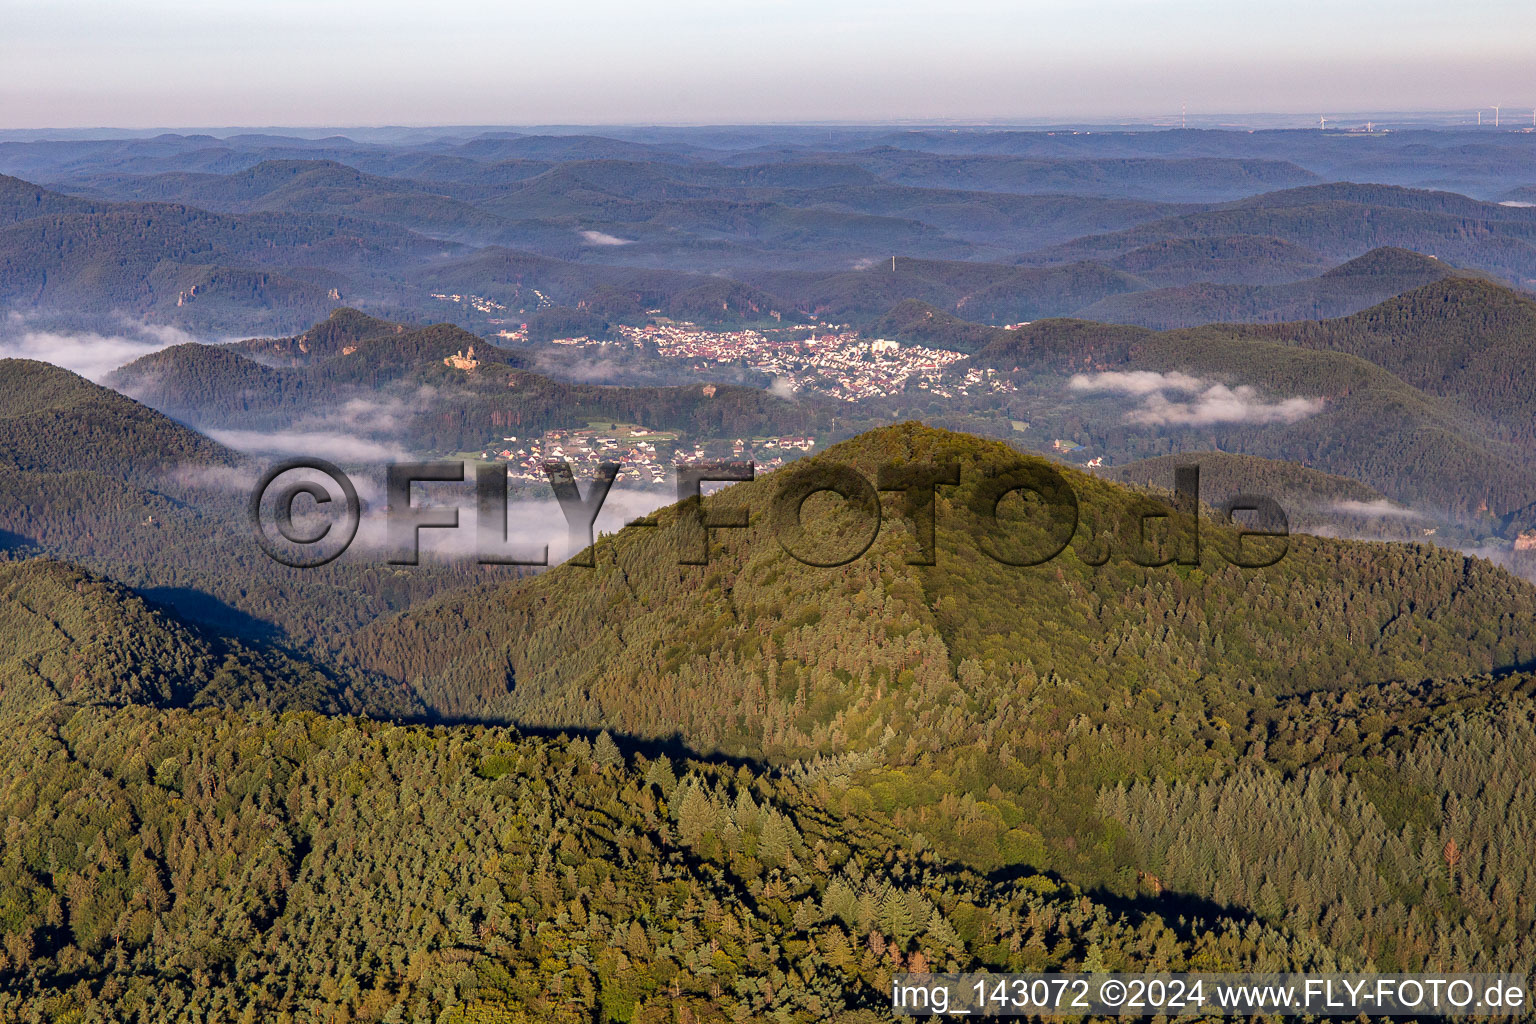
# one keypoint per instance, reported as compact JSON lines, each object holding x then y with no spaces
{"x":1448,"y":444}
{"x":1343,"y":221}
{"x":98,"y":265}
{"x":286,"y":186}
{"x":691,"y":215}
{"x":1365,"y":281}
{"x":1462,"y":338}
{"x":1177,"y":179}
{"x":1010,"y":714}
{"x":1483,"y":163}
{"x":830,"y":212}
{"x":231,"y":245}
{"x":753,"y":766}
{"x":430,"y":406}
{"x":173,"y":263}
{"x":90,"y":476}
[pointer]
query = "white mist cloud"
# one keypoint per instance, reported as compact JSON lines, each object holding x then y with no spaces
{"x":1208,"y":403}
{"x":1222,"y":404}
{"x":219,"y":479}
{"x":581,"y":370}
{"x":371,"y":429}
{"x":600,"y":238}
{"x":91,"y":355}
{"x":340,"y":447}
{"x":532,"y":524}
{"x":782,"y":388}
{"x":164,"y":334}
{"x":1380,"y":508}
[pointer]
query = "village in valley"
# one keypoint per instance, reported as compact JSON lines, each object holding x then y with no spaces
{"x":646,"y":457}
{"x":829,"y":359}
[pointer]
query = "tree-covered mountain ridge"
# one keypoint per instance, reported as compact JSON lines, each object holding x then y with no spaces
{"x":892,"y":767}
{"x":73,"y":636}
{"x":1422,"y":394}
{"x":245,"y":865}
{"x":443,"y":403}
{"x":1029,"y":688}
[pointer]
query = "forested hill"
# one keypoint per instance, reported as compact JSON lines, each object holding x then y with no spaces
{"x":70,"y":635}
{"x":1205,"y":753}
{"x":344,"y":329}
{"x":1420,"y":449}
{"x":22,"y":200}
{"x":249,"y":866}
{"x":224,"y":272}
{"x":1464,"y":338}
{"x":1342,"y":221}
{"x":962,"y":677}
{"x":58,"y":421}
{"x":1364,"y":281}
{"x":919,"y":323}
{"x":437,"y":406}
{"x":95,"y":478}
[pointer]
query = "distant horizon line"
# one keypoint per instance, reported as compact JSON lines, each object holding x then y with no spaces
{"x":1229,"y":121}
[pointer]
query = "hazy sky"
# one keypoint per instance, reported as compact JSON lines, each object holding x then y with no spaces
{"x":146,"y":63}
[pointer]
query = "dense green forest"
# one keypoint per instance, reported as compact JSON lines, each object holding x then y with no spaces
{"x":1464,"y":339}
{"x":758,"y":788}
{"x":56,"y":421}
{"x":170,"y":865}
{"x":987,"y":707}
